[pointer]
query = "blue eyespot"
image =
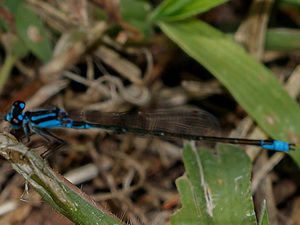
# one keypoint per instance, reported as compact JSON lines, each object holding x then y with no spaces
{"x":20,"y":117}
{"x":22,"y":105}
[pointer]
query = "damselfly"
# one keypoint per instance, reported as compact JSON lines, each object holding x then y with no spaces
{"x":192,"y":125}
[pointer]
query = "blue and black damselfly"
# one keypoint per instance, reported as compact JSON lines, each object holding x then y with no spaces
{"x":192,"y":125}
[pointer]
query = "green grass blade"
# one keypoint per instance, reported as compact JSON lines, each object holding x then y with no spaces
{"x":253,"y":85}
{"x":216,"y":187}
{"x":283,"y":39}
{"x":264,"y":219}
{"x":56,"y":190}
{"x":172,"y":10}
{"x":296,"y":2}
{"x":6,"y":69}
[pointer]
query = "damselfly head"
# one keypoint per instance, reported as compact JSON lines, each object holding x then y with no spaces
{"x":15,"y":115}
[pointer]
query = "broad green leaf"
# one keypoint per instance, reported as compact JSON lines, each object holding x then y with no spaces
{"x":216,"y":187}
{"x":253,"y":85}
{"x":31,"y":30}
{"x":171,"y":10}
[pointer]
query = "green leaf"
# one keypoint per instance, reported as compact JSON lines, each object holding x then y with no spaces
{"x":136,"y":14}
{"x":134,"y":10}
{"x":31,"y":30}
{"x":171,"y":10}
{"x":18,"y":48}
{"x":12,"y":5}
{"x":9,"y":6}
{"x":216,"y":187}
{"x":31,"y":34}
{"x":253,"y":85}
{"x":14,"y":45}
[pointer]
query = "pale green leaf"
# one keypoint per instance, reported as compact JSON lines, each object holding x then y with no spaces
{"x":216,"y":187}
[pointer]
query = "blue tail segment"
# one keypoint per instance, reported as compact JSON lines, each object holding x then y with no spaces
{"x":277,"y":146}
{"x":192,"y":125}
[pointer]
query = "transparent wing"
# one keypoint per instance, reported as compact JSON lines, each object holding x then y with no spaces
{"x":194,"y":122}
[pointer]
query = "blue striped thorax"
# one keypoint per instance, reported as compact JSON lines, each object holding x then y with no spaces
{"x":48,"y":118}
